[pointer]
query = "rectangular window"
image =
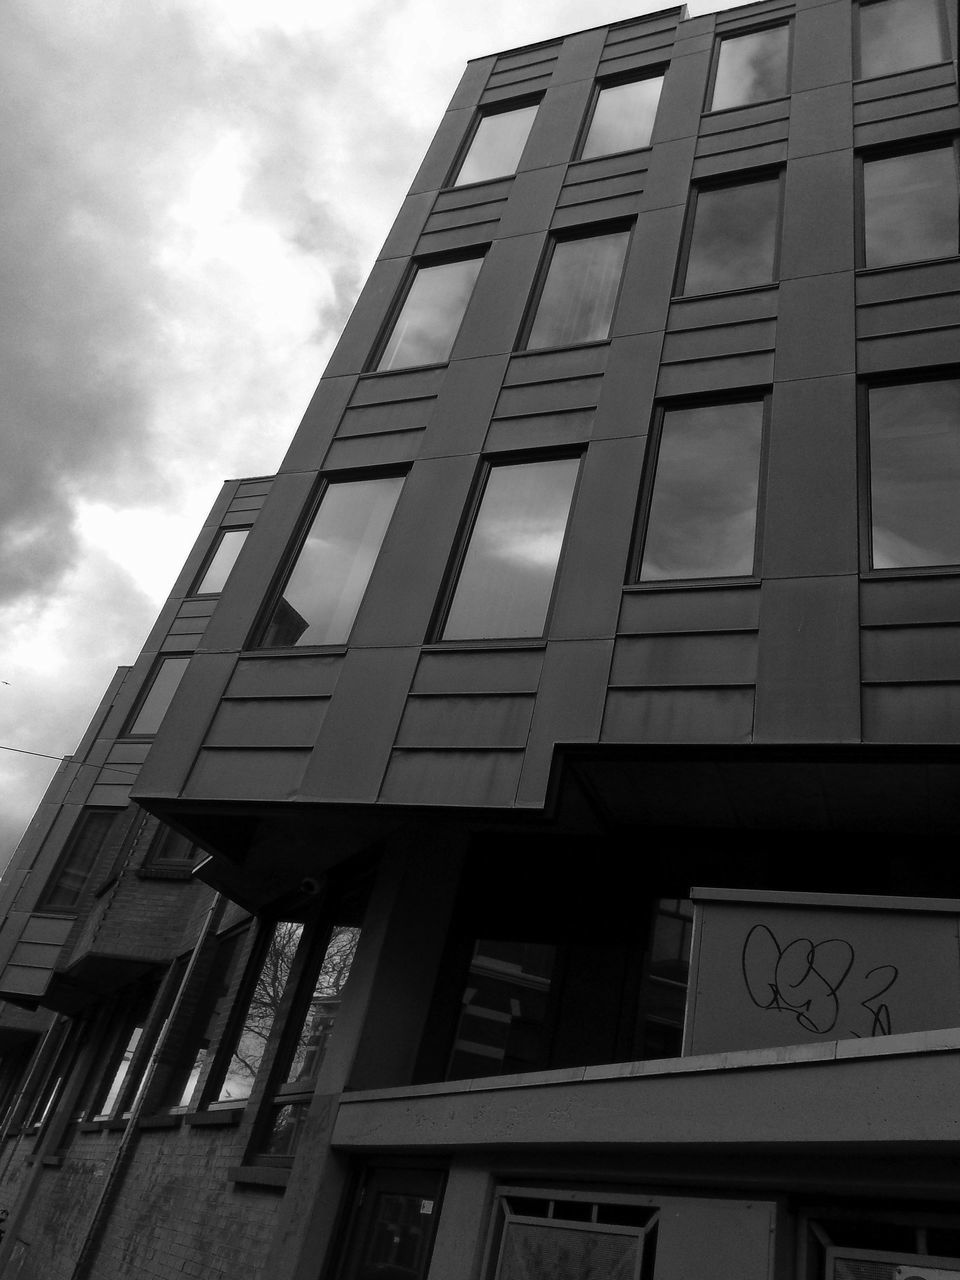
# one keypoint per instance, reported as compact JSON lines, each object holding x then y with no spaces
{"x":170,"y":849}
{"x":430,"y":315}
{"x":153,"y":707}
{"x":897,"y":35}
{"x":910,"y":207}
{"x":217,"y":568}
{"x":733,"y":237}
{"x":508,"y":570}
{"x":73,"y":871}
{"x":579,"y":291}
{"x":497,"y":143}
{"x":751,"y":67}
{"x":322,"y":595}
{"x":914,"y":467}
{"x":623,"y":116}
{"x":702,"y":513}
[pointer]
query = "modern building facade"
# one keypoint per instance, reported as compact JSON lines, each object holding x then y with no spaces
{"x":525,"y":846}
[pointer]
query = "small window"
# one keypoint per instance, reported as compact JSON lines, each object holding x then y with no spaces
{"x":733,"y":237}
{"x":170,"y":849}
{"x":910,"y":207}
{"x":579,"y":291}
{"x":752,"y":67}
{"x":218,"y":566}
{"x":155,"y":704}
{"x":430,"y":315}
{"x":508,"y":570}
{"x":496,"y":145}
{"x":321,"y":597}
{"x":914,"y":447}
{"x":77,"y":862}
{"x":702,"y":515}
{"x":896,"y":35}
{"x":623,"y":117}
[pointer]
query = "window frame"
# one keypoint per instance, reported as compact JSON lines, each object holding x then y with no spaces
{"x":566,"y":235}
{"x":741,"y":395}
{"x":291,"y":556}
{"x":889,"y":151}
{"x":658,"y":70}
{"x":146,"y":689}
{"x":743,"y":178}
{"x":87,"y":814}
{"x":944,"y":28}
{"x":195,"y":592}
{"x":898,"y":378}
{"x":465,"y":528}
{"x":753,"y":29}
{"x":482,"y":113}
{"x":404,"y":288}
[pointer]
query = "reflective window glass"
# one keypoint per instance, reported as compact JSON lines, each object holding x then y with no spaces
{"x":70,"y":877}
{"x":221,"y":562}
{"x":910,"y":207}
{"x":703,"y":513}
{"x":318,"y":1021}
{"x":580,"y":291}
{"x":430,"y":317}
{"x":496,"y":146}
{"x":896,"y":35}
{"x":507,"y":575}
{"x":752,"y":67}
{"x":915,"y":473}
{"x":323,"y":593}
{"x":733,"y":242}
{"x":623,"y":117}
{"x":160,"y":695}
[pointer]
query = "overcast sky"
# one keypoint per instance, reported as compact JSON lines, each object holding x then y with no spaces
{"x":194,"y":191}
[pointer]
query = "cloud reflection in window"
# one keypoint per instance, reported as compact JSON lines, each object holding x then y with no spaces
{"x":910,"y":207}
{"x":752,"y":67}
{"x":734,"y":240}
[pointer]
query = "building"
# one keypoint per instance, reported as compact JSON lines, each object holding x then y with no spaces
{"x":585,"y":688}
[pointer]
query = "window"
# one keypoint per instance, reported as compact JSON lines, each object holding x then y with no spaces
{"x":72,"y":873}
{"x":496,"y":145}
{"x":159,"y":695}
{"x":623,"y":116}
{"x":752,"y":67}
{"x":579,"y":291}
{"x":218,"y":566}
{"x":321,"y":597}
{"x":896,"y":35}
{"x":733,"y":236}
{"x":914,"y":466}
{"x":702,"y":515}
{"x":507,"y":574}
{"x":430,"y":315}
{"x":169,"y":849}
{"x":910,"y":207}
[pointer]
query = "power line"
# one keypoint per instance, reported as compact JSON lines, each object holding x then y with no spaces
{"x":82,"y":764}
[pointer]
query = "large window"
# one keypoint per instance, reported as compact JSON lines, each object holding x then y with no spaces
{"x":702,"y":514}
{"x":752,"y":67}
{"x":508,"y":570}
{"x":153,"y":707}
{"x":896,"y":35}
{"x":910,"y":206}
{"x":623,"y":116}
{"x":579,"y":290}
{"x":733,"y":236}
{"x":321,"y":597}
{"x":430,"y":315}
{"x":914,"y":447}
{"x":76,"y":864}
{"x":496,"y":145}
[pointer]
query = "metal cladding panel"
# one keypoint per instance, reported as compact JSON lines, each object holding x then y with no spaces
{"x":679,"y":715}
{"x":267,"y":722}
{"x":464,"y":722}
{"x":911,"y":713}
{"x":818,"y":216}
{"x":648,"y":612}
{"x":906,"y":601}
{"x":685,"y":660}
{"x":248,"y":774}
{"x":302,"y":675}
{"x":492,"y":671}
{"x":716,"y":1240}
{"x":894,"y":655}
{"x":464,"y":779}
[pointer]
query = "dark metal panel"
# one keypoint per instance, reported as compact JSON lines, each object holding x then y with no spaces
{"x":939,"y":311}
{"x":606,"y":167}
{"x":726,"y":373}
{"x":383,"y":450}
{"x":822,"y":46}
{"x":442,"y":151}
{"x":809,"y":667}
{"x":915,"y":281}
{"x":810,"y":507}
{"x":684,"y":88}
{"x":352,"y":352}
{"x":408,"y":224}
{"x":911,"y":713}
{"x":493,"y":318}
{"x":547,"y":366}
{"x":246,"y":775}
{"x":925,"y":598}
{"x":398,"y":415}
{"x":480,"y":213}
{"x":668,"y":177}
{"x":464,"y":406}
{"x":719,"y":340}
{"x":539,"y":431}
{"x":597,"y":546}
{"x":492,"y":671}
{"x":711,"y":166}
{"x":744,"y":139}
{"x":595,"y":190}
{"x":731,"y":308}
{"x":909,"y":350}
{"x":267,"y":722}
{"x":269,"y":676}
{"x":557,"y":123}
{"x":458,"y":239}
{"x":678,"y":715}
{"x":909,"y":654}
{"x":646,"y":612}
{"x":493,"y":191}
{"x":756,"y":115}
{"x":904,"y":82}
{"x":816,"y":328}
{"x":648,"y":272}
{"x":818,"y":215}
{"x":476,"y":721}
{"x":475,"y":76}
{"x":582,"y":215}
{"x":820,"y":120}
{"x":476,"y":779}
{"x":404,"y":384}
{"x":626,"y":398}
{"x":906,"y":128}
{"x":532,"y":201}
{"x":699,"y":659}
{"x":548,"y":397}
{"x":906,"y":102}
{"x":579,"y":55}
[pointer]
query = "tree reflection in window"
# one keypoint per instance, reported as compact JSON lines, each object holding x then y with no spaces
{"x":580,"y":291}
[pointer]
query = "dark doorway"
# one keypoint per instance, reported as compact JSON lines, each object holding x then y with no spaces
{"x":393,"y":1225}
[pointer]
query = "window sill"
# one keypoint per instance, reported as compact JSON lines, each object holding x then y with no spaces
{"x":160,"y":1121}
{"x":481,"y":182}
{"x":406,"y":368}
{"x":259,"y":1175}
{"x":610,"y":155}
{"x":472,"y":646}
{"x":911,"y":571}
{"x":214,"y":1119}
{"x":744,"y":106}
{"x":691,"y":584}
{"x":568,"y":346}
{"x":725,"y":293}
{"x":100,"y":1126}
{"x":902,"y":71}
{"x":905,"y":266}
{"x":294,"y":651}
